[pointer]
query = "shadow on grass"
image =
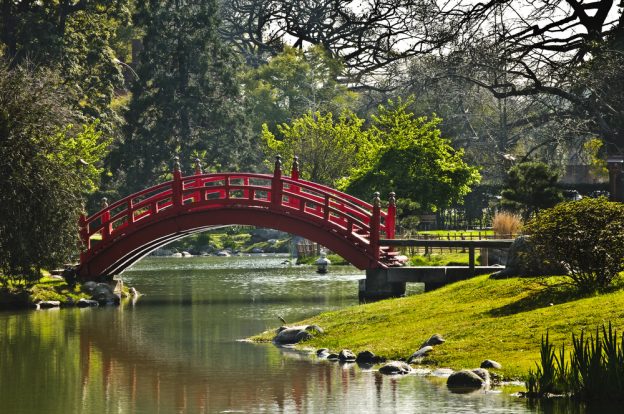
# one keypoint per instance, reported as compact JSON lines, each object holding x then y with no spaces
{"x":551,"y":294}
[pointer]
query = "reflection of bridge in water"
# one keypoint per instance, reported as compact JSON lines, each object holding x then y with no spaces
{"x":155,"y":379}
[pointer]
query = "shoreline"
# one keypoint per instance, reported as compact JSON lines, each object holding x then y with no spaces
{"x":480,"y":318}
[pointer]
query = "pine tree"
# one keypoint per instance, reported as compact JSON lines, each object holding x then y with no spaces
{"x":186,"y":100}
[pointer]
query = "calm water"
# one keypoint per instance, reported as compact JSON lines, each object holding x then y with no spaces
{"x":176,"y":350}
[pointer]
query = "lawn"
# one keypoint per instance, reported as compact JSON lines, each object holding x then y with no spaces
{"x":480,"y":319}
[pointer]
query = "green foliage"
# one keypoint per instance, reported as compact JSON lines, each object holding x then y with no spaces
{"x":595,"y":370}
{"x":328,"y":149}
{"x":48,"y":166}
{"x":413,"y":160}
{"x":586,"y":236}
{"x":530,"y":187}
{"x":293,"y":83}
{"x":74,"y":38}
{"x":187,"y":99}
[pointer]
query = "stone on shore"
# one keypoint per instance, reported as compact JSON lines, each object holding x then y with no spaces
{"x":295,"y":334}
{"x":420,"y":353}
{"x":436,"y":339}
{"x":86,"y":303}
{"x":395,"y":368}
{"x":465,"y":379}
{"x":488,"y":363}
{"x":322,"y":352}
{"x":48,"y":304}
{"x":104,"y":295}
{"x":346,"y":355}
{"x":367,"y":357}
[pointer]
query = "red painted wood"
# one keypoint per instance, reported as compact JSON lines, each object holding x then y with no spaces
{"x":153,"y":217}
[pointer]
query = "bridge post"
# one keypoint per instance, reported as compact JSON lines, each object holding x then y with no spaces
{"x":377,"y":286}
{"x":294,"y":175}
{"x":84,"y":237}
{"x":176,"y":188}
{"x":106,"y":225}
{"x":276,"y":183}
{"x":391,"y":217}
{"x":374,"y":227}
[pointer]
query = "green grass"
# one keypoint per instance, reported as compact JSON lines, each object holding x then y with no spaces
{"x":457,"y":232}
{"x":440,"y":259}
{"x":480,"y":319}
{"x":334,"y":258}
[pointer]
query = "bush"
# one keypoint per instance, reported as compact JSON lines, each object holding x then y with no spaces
{"x":586,"y":236}
{"x":506,"y":224}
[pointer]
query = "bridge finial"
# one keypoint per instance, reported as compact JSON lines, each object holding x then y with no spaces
{"x":104,"y":202}
{"x":294,"y":173}
{"x":278,"y":164}
{"x":376,"y":199}
{"x":176,"y":164}
{"x":392,"y":198}
{"x":198,"y":166}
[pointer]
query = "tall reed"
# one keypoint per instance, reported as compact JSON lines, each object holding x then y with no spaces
{"x":595,"y":371}
{"x":506,"y":224}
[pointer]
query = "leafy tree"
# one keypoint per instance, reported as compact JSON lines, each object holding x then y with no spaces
{"x":186,"y":98}
{"x":73,"y":37}
{"x":413,"y":160}
{"x":49,"y":164}
{"x":529,"y":188}
{"x":293,"y":83}
{"x":328,"y":149}
{"x":586,"y":236}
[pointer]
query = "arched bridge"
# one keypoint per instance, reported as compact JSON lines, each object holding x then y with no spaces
{"x":140,"y":223}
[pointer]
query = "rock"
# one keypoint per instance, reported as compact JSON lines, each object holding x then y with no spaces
{"x":522,"y":260}
{"x":420,"y":353}
{"x":295,"y":334}
{"x":488,"y":363}
{"x":104,"y":295}
{"x":134,"y":293}
{"x":186,"y":254}
{"x":47,"y":304}
{"x":483,"y":374}
{"x":88,"y":287}
{"x":367,"y":357}
{"x":332,"y":357}
{"x":322,"y":353}
{"x":176,"y":254}
{"x":86,"y":303}
{"x":436,"y":339}
{"x":346,"y":355}
{"x":395,"y":368}
{"x":465,"y":379}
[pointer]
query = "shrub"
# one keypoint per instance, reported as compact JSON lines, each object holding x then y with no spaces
{"x":506,"y":224}
{"x":586,"y":236}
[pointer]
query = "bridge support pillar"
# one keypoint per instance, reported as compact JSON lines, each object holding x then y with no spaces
{"x":377,"y":286}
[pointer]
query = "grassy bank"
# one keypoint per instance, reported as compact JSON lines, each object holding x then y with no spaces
{"x":480,"y":319}
{"x":48,"y":288}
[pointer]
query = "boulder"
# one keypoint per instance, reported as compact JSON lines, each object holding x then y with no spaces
{"x":436,"y":339}
{"x":465,"y":379}
{"x":523,"y":260}
{"x":294,"y":334}
{"x":483,"y":374}
{"x":87,"y":287}
{"x":86,"y":303}
{"x":367,"y":357}
{"x":322,"y":353}
{"x":488,"y":363}
{"x":47,"y":304}
{"x":420,"y":353}
{"x":104,"y":295}
{"x":332,"y":357}
{"x":346,"y":355}
{"x":395,"y":368}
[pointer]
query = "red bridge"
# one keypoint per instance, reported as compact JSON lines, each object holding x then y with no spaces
{"x":142,"y":222}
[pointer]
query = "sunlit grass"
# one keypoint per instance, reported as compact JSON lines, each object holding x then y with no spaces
{"x":480,"y":319}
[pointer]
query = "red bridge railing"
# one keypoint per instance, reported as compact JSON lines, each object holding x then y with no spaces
{"x":360,"y":222}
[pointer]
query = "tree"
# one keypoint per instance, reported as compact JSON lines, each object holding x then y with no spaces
{"x":328,"y":149}
{"x":413,"y":160}
{"x":49,"y":164}
{"x":293,"y":83}
{"x":74,"y":38}
{"x":186,"y":100}
{"x":529,"y":188}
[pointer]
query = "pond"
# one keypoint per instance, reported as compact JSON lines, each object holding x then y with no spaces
{"x":177,"y":349}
